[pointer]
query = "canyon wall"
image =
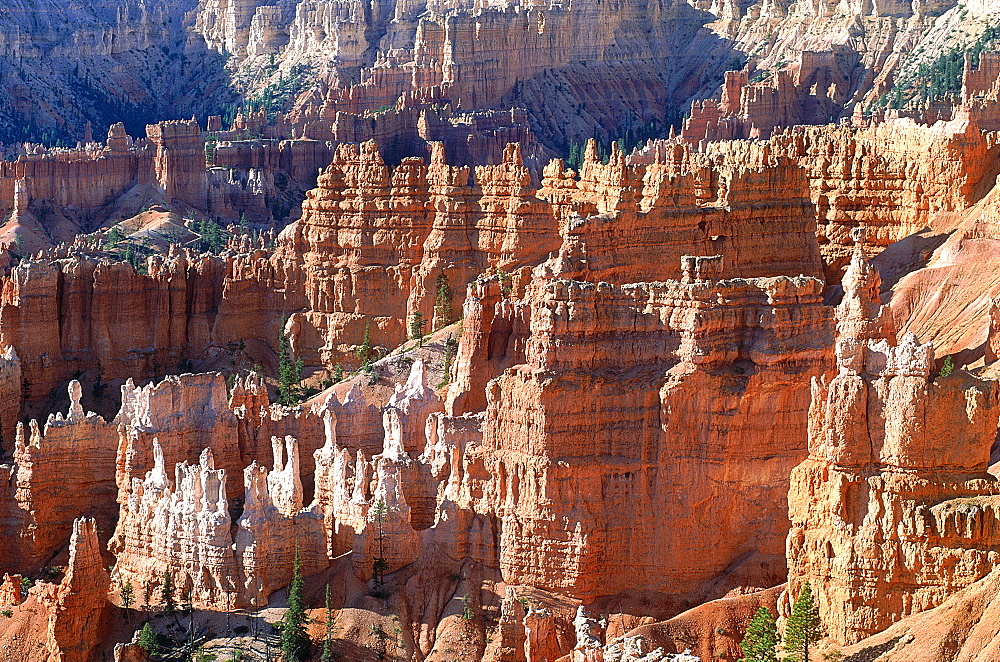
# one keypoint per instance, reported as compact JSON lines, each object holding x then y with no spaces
{"x":65,"y":621}
{"x":104,"y":62}
{"x":894,"y":510}
{"x":892,"y":180}
{"x":679,"y":346}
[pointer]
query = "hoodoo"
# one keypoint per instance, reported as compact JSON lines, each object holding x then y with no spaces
{"x":504,"y":331}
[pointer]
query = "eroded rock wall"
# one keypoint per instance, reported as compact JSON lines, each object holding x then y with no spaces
{"x":894,"y":511}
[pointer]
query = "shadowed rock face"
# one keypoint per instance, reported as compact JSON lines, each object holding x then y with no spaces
{"x":65,"y":621}
{"x":103,"y":62}
{"x":576,"y":69}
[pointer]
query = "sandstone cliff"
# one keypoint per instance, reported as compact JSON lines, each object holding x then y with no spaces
{"x":63,"y":622}
{"x":60,"y":471}
{"x":963,"y":629}
{"x":885,"y":431}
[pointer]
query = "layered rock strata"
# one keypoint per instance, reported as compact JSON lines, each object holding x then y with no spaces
{"x":184,"y":529}
{"x":76,"y":312}
{"x":891,"y":180}
{"x":683,"y":342}
{"x":66,"y":621}
{"x":60,"y":471}
{"x":885,"y":432}
{"x":688,"y":203}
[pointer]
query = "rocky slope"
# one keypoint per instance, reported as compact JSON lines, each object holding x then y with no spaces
{"x":67,"y":64}
{"x":576,"y":69}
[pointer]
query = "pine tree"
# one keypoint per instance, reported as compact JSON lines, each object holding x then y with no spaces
{"x":450,"y":345}
{"x":442,"y":302}
{"x":328,"y":655}
{"x":147,"y":640}
{"x":803,"y":626}
{"x":761,"y":638}
{"x":364,"y":352}
{"x":575,"y":157}
{"x":127,"y":595}
{"x":289,"y":374}
{"x":417,"y":326}
{"x":167,"y":593}
{"x":379,"y":564}
{"x":294,"y":640}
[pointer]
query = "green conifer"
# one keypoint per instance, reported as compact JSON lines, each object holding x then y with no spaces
{"x":803,"y":627}
{"x":294,"y":640}
{"x":167,"y":593}
{"x":761,"y":638}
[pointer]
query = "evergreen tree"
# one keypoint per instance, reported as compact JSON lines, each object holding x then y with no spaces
{"x":417,"y":326}
{"x":167,"y":593}
{"x":213,"y":238}
{"x":575,"y":155}
{"x":379,"y":564}
{"x":289,"y":373}
{"x":803,"y":626}
{"x":112,"y":237}
{"x":127,"y":595}
{"x":442,"y":302}
{"x":147,"y":640}
{"x":328,"y":655}
{"x":761,"y":638}
{"x":294,"y":640}
{"x":364,"y":352}
{"x":450,"y":345}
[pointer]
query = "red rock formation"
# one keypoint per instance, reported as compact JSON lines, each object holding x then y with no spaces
{"x":118,"y":323}
{"x":534,"y":56}
{"x":861,"y":315}
{"x":11,"y":386}
{"x":532,"y":434}
{"x":11,"y":590}
{"x":812,"y":91}
{"x":711,"y":630}
{"x":884,"y":432}
{"x":81,"y":611}
{"x":180,"y":161}
{"x":891,"y":179}
{"x":61,"y":472}
{"x":190,"y":413}
{"x":992,"y":352}
{"x":639,"y":219}
{"x":964,"y":628}
{"x":65,"y":622}
{"x":364,"y":231}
